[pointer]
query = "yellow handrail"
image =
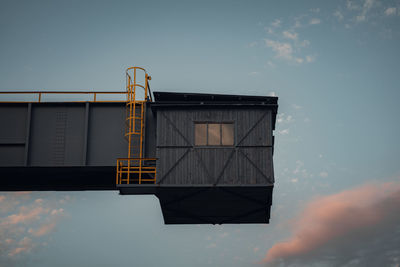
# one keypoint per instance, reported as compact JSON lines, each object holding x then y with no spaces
{"x":39,"y":96}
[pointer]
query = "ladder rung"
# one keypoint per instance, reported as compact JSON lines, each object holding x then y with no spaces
{"x":121,"y":171}
{"x":128,"y":133}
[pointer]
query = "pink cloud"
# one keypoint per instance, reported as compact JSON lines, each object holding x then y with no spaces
{"x":347,"y":216}
{"x":25,"y":215}
{"x":43,"y":229}
{"x":25,"y":219}
{"x":25,"y":245}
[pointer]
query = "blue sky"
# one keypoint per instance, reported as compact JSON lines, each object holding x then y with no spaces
{"x":333,"y":64}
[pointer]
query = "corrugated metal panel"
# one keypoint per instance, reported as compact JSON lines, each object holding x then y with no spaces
{"x":13,"y":134}
{"x":57,"y":135}
{"x":106,"y":140}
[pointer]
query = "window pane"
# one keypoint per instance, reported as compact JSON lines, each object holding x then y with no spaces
{"x":227,"y":134}
{"x":214,"y":134}
{"x":200,"y":134}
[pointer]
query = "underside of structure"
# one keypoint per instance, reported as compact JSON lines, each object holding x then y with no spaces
{"x":221,"y":204}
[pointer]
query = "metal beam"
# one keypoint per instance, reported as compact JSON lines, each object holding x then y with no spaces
{"x":86,"y":133}
{"x":27,"y":133}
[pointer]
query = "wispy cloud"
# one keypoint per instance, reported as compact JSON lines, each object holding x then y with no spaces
{"x":254,"y":73}
{"x":359,"y":226}
{"x":282,"y":49}
{"x":315,"y":21}
{"x":310,"y":58}
{"x":283,"y":132}
{"x":284,"y":38}
{"x":339,"y":15}
{"x":297,"y":106}
{"x":24,"y":245}
{"x":25,"y":215}
{"x":290,"y":35}
{"x":270,"y":64}
{"x":358,"y":12}
{"x":352,"y":5}
{"x":390,"y":11}
{"x":43,"y":229}
{"x":364,"y":10}
{"x":25,"y":219}
{"x":276,"y":23}
{"x":323,"y":174}
{"x":284,"y":122}
{"x":315,"y":10}
{"x":283,"y":118}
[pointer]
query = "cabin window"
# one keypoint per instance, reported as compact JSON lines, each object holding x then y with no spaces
{"x":214,"y":134}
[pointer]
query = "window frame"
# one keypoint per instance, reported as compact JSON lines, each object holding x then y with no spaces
{"x":220,"y":134}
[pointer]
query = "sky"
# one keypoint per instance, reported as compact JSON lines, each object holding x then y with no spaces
{"x":334,"y":66}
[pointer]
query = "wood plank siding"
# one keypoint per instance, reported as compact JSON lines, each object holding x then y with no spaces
{"x":247,"y":162}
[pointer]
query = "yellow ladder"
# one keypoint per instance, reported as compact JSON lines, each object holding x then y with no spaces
{"x":135,"y":169}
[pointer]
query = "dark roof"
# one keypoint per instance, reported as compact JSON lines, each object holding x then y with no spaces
{"x":194,"y":100}
{"x":207,"y":98}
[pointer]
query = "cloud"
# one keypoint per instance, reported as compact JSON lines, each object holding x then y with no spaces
{"x":25,"y":245}
{"x":351,"y":5}
{"x":300,"y":170}
{"x":338,"y":15}
{"x":310,"y":58}
{"x":304,"y":43}
{"x":357,"y":227}
{"x":323,"y":174}
{"x":315,"y":21}
{"x":27,"y":219}
{"x":290,"y":35}
{"x":299,"y":60}
{"x":390,"y":11}
{"x":364,"y":10}
{"x":297,"y":106}
{"x":283,"y":118}
{"x":269,"y":30}
{"x":25,"y":215}
{"x":361,"y":18}
{"x":253,"y":73}
{"x":270,"y":64}
{"x":285,"y":41}
{"x":43,"y":229}
{"x":284,"y":131}
{"x":276,"y":23}
{"x":282,"y":50}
